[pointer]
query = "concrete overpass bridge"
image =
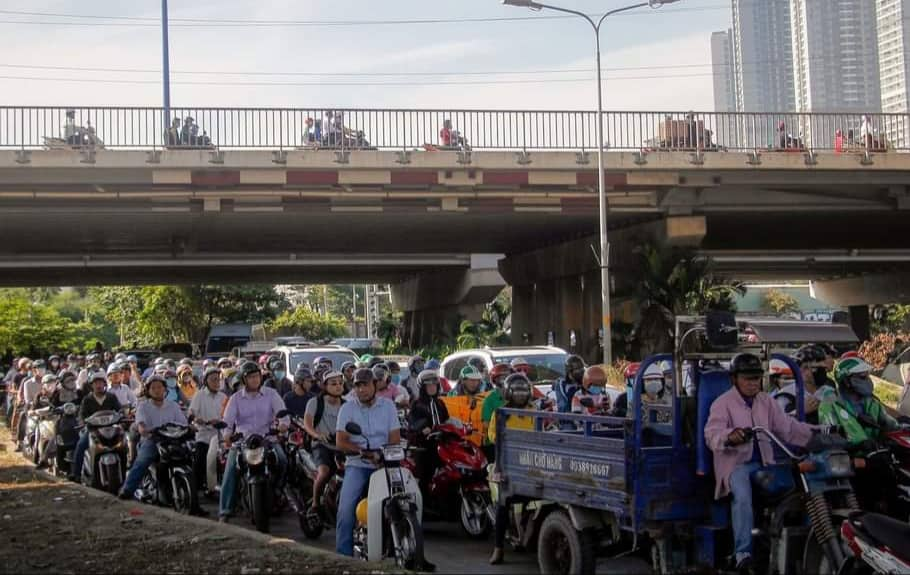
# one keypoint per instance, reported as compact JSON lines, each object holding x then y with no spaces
{"x":447,"y":226}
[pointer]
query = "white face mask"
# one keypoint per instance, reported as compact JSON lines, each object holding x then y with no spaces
{"x":653,"y":386}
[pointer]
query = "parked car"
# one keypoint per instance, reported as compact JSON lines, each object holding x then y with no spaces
{"x":293,"y":356}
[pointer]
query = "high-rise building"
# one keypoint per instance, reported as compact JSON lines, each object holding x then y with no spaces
{"x":835,"y":55}
{"x":722,"y":66}
{"x":894,"y":66}
{"x":763,"y":56}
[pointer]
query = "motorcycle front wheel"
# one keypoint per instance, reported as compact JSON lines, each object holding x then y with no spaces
{"x":474,"y":518}
{"x":184,"y":494}
{"x":260,"y":506}
{"x":409,"y":539}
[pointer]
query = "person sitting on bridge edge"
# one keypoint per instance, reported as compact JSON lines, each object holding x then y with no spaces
{"x":517,"y":394}
{"x":738,"y":453}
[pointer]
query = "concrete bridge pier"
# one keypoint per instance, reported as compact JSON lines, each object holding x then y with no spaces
{"x":435,"y":303}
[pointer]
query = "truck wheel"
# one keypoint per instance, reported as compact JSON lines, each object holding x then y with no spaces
{"x":562,"y":549}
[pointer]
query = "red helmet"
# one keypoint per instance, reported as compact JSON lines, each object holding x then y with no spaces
{"x":500,"y":370}
{"x":632,"y":370}
{"x":850,"y":354}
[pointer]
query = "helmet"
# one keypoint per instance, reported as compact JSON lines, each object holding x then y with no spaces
{"x":654,"y":371}
{"x":375,"y":361}
{"x":322,"y":360}
{"x":520,"y":364}
{"x":186,"y":361}
{"x":348,"y":365}
{"x":366,"y":358}
{"x":48,"y":379}
{"x":120,"y":356}
{"x":113,"y":368}
{"x":780,"y":369}
{"x":274,"y":363}
{"x":303,"y":373}
{"x":364,"y":374}
{"x":183,"y":369}
{"x":631,"y":371}
{"x":361,"y":513}
{"x":517,"y":389}
{"x":416,"y":364}
{"x":380,"y":371}
{"x":211,"y":370}
{"x":809,"y":354}
{"x":125,"y":366}
{"x":248,"y":368}
{"x":151,"y":379}
{"x":478,"y":363}
{"x":850,"y":367}
{"x":469,"y":372}
{"x":500,"y":370}
{"x":595,"y":373}
{"x":427,"y":377}
{"x":52,"y":358}
{"x":224,"y":362}
{"x":393,"y":366}
{"x":850,"y":354}
{"x":132,"y":359}
{"x":170,"y":364}
{"x":96,"y":375}
{"x":432,"y":364}
{"x":39,"y":364}
{"x":746,"y":363}
{"x":24,"y":362}
{"x":65,"y":374}
{"x":574,"y":364}
{"x":332,"y":373}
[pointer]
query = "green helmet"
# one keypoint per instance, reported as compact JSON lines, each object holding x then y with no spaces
{"x":851,"y":366}
{"x":470,"y":372}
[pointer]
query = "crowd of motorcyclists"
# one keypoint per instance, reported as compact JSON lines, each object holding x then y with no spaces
{"x":229,"y":403}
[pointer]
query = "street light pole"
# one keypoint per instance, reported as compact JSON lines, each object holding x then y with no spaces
{"x":165,"y":68}
{"x":601,"y":176}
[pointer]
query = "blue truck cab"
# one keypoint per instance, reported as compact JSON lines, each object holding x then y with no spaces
{"x":642,"y":482}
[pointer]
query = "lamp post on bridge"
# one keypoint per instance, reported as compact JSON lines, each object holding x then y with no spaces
{"x":166,"y":70}
{"x":601,"y":185}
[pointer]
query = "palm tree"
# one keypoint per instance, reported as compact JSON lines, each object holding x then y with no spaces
{"x":677,"y":281}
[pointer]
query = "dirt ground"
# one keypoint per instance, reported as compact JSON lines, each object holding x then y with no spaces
{"x":54,"y":527}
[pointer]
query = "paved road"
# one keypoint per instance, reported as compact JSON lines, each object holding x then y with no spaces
{"x":447,"y":547}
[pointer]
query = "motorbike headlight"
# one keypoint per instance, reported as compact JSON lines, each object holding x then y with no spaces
{"x":393,"y":453}
{"x":254,"y":456}
{"x":108,"y":432}
{"x":69,"y":409}
{"x":840,"y":464}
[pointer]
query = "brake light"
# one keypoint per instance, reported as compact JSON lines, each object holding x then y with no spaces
{"x":806,"y":466}
{"x":859,"y":463}
{"x":848,"y":535}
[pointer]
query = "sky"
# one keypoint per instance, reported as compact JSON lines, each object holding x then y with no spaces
{"x":269,"y":53}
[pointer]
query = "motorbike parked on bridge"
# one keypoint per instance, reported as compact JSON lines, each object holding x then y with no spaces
{"x":170,"y":481}
{"x":389,"y":518}
{"x":459,"y":489}
{"x":302,"y":473}
{"x":66,"y":437}
{"x":105,"y":459}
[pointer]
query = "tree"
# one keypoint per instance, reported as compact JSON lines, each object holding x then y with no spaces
{"x":778,"y":302}
{"x":673,"y":282}
{"x":305,"y":322}
{"x":237,"y":304}
{"x":36,"y":328}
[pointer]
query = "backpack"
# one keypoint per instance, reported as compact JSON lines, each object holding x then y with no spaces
{"x":320,"y":409}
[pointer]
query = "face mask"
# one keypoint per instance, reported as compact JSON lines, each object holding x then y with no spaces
{"x":279,"y":375}
{"x":653,"y":386}
{"x":171,"y":382}
{"x":862,"y":385}
{"x":596,"y":390}
{"x":396,"y":378}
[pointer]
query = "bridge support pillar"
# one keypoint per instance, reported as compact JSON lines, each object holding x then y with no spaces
{"x":435,"y":303}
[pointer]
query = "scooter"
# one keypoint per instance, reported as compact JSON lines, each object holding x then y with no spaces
{"x":170,"y":481}
{"x":258,"y":467}
{"x":389,"y":519}
{"x":877,"y":543}
{"x":65,"y":440}
{"x":459,"y":488}
{"x":302,"y":473}
{"x":105,"y":460}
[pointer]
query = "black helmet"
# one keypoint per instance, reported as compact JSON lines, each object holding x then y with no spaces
{"x":746,"y":363}
{"x":302,"y":373}
{"x":321,"y":360}
{"x":574,"y":364}
{"x":809,"y":354}
{"x":364,"y":374}
{"x":374,"y":361}
{"x":248,"y":368}
{"x":517,"y":388}
{"x":380,"y":371}
{"x":274,"y":363}
{"x":416,"y":364}
{"x":348,"y":364}
{"x":393,"y":366}
{"x":478,"y":363}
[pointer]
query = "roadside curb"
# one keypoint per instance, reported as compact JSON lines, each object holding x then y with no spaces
{"x":208,"y":526}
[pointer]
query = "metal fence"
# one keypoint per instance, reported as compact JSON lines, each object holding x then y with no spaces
{"x":290,"y":128}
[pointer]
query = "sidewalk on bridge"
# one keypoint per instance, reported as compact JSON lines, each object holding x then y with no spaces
{"x":53,"y":526}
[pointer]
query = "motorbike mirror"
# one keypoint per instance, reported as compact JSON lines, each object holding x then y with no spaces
{"x":353,"y":428}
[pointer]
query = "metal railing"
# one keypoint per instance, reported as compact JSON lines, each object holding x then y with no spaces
{"x":291,"y":128}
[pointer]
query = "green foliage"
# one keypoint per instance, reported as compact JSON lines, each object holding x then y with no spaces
{"x":676,"y":281}
{"x":778,"y":302}
{"x":28,"y":326}
{"x":305,"y":322}
{"x":891,"y":318}
{"x":490,"y":330}
{"x":389,"y":331}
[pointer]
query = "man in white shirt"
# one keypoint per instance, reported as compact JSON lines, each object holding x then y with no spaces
{"x":122,"y":392}
{"x":205,"y":410}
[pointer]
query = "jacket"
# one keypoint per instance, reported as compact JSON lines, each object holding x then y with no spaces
{"x":842,"y":412}
{"x":730,"y":411}
{"x":427,"y":411}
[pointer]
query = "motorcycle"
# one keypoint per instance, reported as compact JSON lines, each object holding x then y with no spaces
{"x":388,"y":519}
{"x":33,"y":419}
{"x":302,"y":473}
{"x":816,"y":485}
{"x":65,"y":439}
{"x":258,"y":467}
{"x":170,"y":481}
{"x":886,"y":488}
{"x":105,"y":459}
{"x":876,"y":543}
{"x":459,"y":488}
